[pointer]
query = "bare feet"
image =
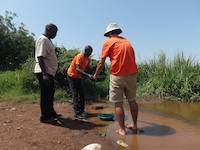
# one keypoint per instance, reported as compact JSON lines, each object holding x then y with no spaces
{"x":132,"y":128}
{"x":121,"y":132}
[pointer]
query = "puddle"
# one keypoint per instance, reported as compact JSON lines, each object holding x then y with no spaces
{"x":166,"y":126}
{"x":188,"y":112}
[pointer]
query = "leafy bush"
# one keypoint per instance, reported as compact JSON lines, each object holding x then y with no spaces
{"x":16,"y":44}
{"x":29,"y":83}
{"x":92,"y":90}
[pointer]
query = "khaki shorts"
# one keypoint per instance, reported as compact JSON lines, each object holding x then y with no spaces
{"x":122,"y":87}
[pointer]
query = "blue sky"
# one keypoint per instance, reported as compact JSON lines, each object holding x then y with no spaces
{"x":151,"y":26}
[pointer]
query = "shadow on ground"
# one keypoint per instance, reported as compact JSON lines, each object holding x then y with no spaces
{"x":153,"y":129}
{"x":76,"y":124}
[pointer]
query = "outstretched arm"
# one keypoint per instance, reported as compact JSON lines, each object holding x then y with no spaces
{"x":82,"y":72}
{"x":100,"y":66}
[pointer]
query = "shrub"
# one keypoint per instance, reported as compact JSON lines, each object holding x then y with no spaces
{"x":92,"y":90}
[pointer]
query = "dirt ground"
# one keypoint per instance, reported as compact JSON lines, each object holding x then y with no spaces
{"x":20,"y":129}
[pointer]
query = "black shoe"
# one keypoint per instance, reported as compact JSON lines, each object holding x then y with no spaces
{"x":85,"y":114}
{"x":80,"y":116}
{"x":50,"y":120}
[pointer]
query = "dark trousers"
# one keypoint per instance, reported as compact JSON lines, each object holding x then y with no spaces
{"x":77,"y":95}
{"x":47,"y":90}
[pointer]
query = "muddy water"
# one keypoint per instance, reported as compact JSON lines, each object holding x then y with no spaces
{"x":166,"y":126}
{"x":189,"y":112}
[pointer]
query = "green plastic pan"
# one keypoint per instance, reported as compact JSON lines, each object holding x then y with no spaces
{"x":106,"y":117}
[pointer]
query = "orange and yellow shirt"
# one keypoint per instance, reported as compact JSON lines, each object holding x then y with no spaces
{"x":121,"y":55}
{"x":80,"y":60}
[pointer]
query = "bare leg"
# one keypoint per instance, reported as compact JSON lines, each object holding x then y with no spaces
{"x":134,"y":113}
{"x":119,"y":111}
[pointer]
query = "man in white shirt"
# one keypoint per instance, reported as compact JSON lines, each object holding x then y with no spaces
{"x":45,"y":70}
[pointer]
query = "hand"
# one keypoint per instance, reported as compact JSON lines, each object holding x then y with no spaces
{"x":46,"y":76}
{"x":94,"y":77}
{"x":90,"y":76}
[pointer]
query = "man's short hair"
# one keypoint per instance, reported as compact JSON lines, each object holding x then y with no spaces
{"x":88,"y":48}
{"x":51,"y":27}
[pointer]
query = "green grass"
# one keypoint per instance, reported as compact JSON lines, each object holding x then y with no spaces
{"x":20,"y":86}
{"x":9,"y":80}
{"x":11,"y":85}
{"x":17,"y":96}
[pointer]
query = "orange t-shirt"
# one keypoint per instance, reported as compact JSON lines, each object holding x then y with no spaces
{"x":80,"y":60}
{"x":121,"y":55}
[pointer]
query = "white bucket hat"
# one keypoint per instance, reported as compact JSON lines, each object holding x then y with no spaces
{"x":111,"y":27}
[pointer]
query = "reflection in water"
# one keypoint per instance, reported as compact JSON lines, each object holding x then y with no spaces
{"x":134,"y":142}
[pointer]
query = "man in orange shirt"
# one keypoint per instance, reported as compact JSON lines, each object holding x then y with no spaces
{"x":79,"y":64}
{"x":123,"y":72}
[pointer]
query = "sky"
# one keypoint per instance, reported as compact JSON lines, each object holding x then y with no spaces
{"x":152,"y":26}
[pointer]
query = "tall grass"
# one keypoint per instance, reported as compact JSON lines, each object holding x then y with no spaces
{"x":22,"y":85}
{"x":12,"y":87}
{"x":10,"y":80}
{"x":178,"y":78}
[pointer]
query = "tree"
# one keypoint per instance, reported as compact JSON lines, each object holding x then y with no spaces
{"x":16,"y":43}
